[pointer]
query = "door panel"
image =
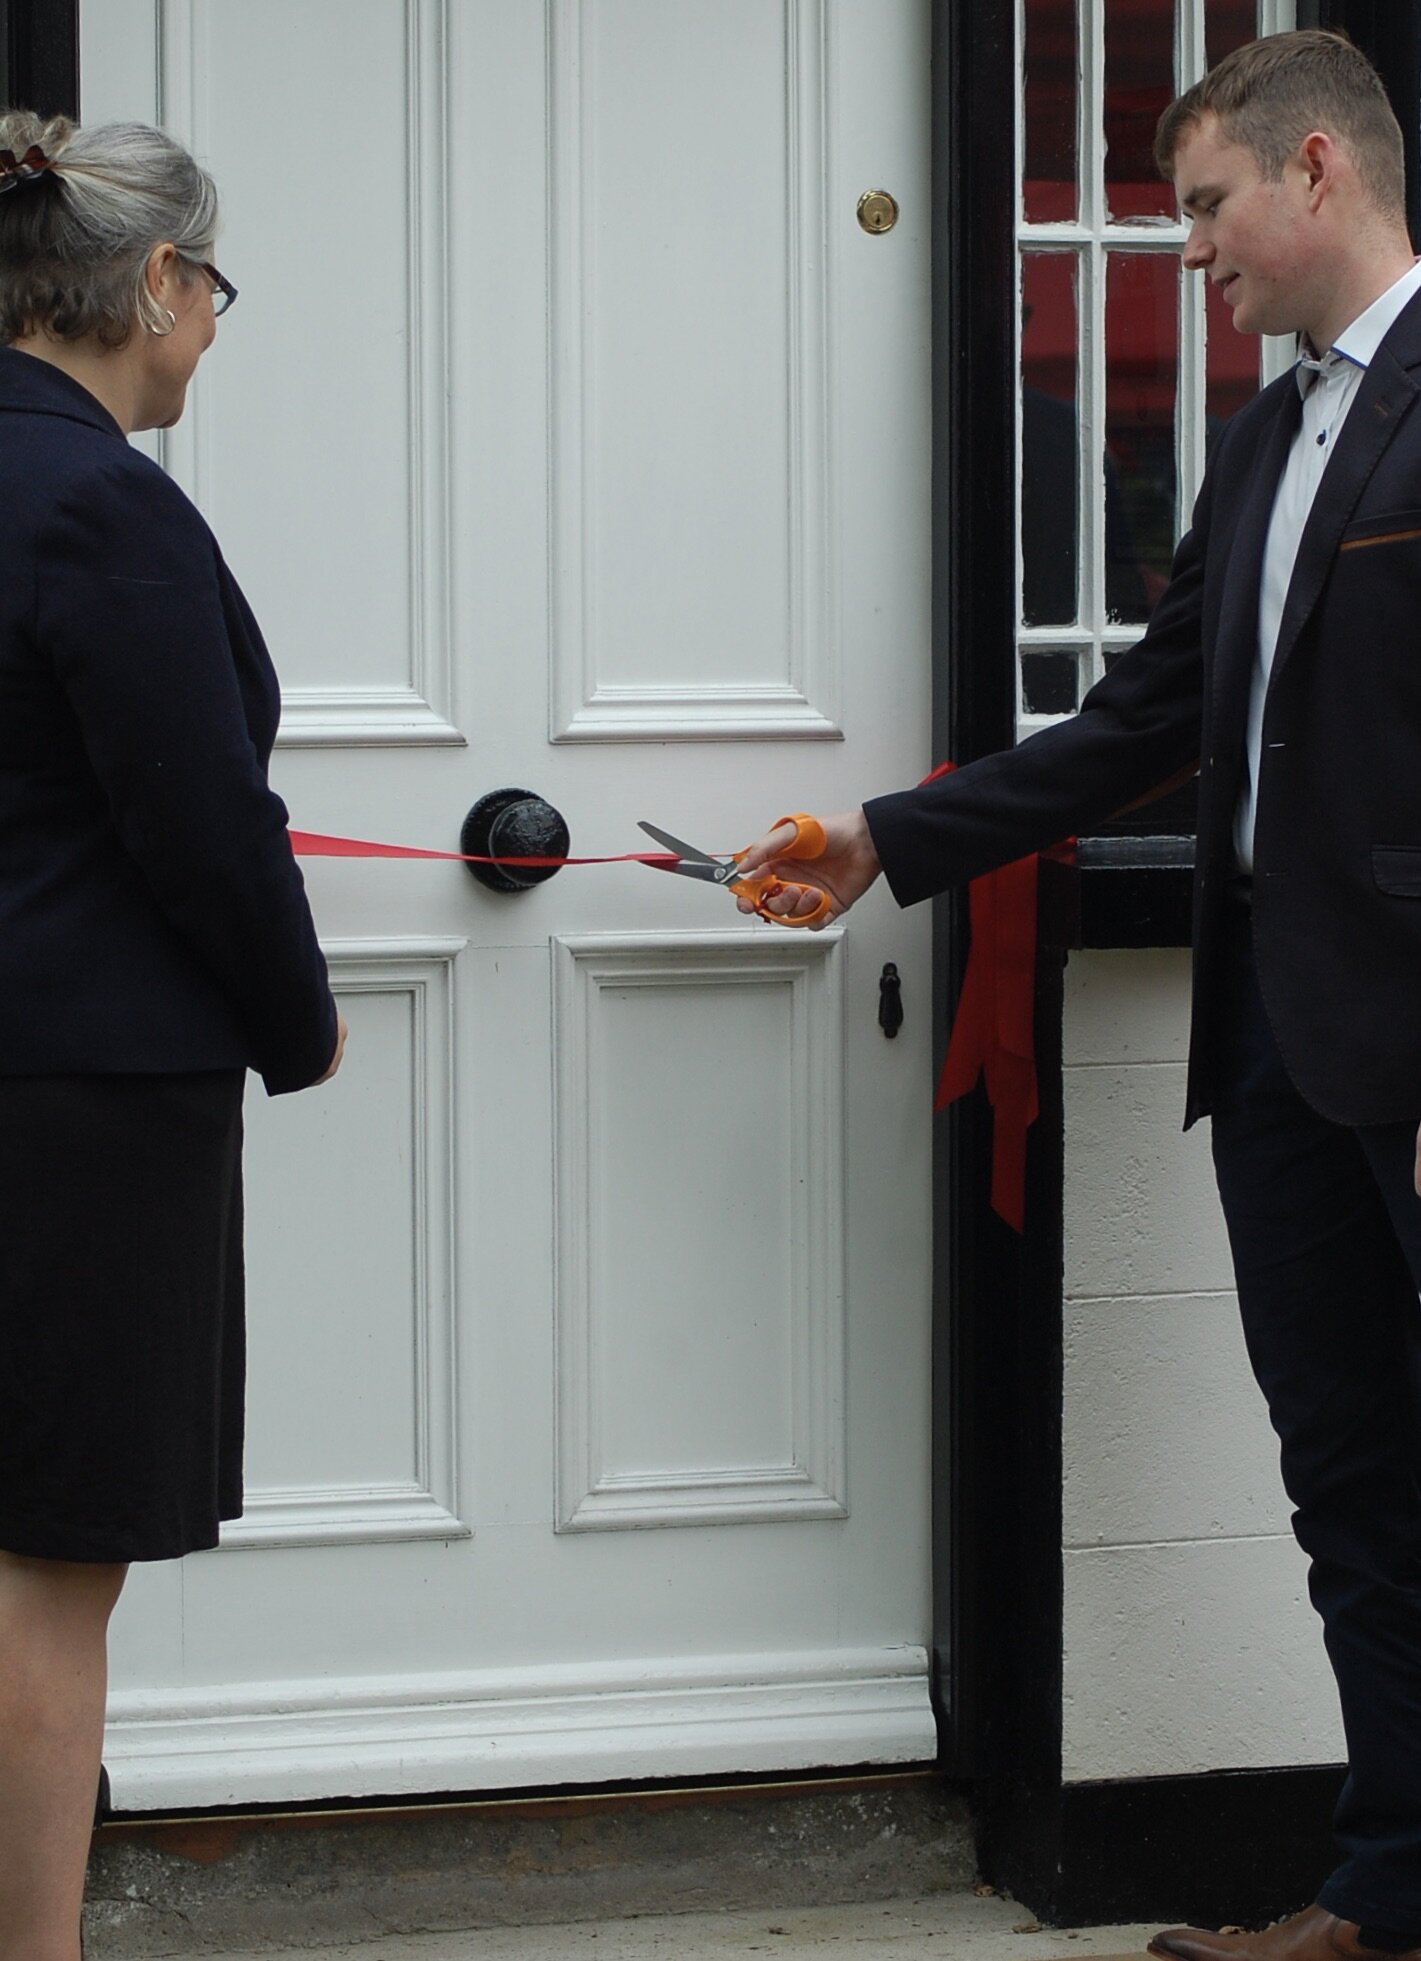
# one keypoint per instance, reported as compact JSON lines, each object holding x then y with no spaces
{"x":690,"y":298}
{"x":700,"y":1248}
{"x":569,"y":434}
{"x":351,"y":1200}
{"x":337,"y":197}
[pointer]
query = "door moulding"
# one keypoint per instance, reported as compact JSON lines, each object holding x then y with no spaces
{"x":804,"y":1478}
{"x":424,"y":1505}
{"x":416,"y":706}
{"x":588,"y":704}
{"x":502,"y":1729}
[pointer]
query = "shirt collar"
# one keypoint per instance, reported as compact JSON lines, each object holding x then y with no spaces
{"x":1358,"y":342}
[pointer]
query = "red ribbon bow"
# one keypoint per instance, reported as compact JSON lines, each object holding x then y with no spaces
{"x":993,"y":1031}
{"x":993,"y":1036}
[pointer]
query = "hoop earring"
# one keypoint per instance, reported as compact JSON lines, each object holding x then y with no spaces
{"x":163,"y":332}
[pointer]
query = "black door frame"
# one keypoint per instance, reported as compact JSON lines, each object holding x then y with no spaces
{"x":997,"y":1367}
{"x":42,"y":55}
{"x":1229,"y":1846}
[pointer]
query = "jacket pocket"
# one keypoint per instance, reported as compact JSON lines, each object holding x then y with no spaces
{"x":1391,"y":528}
{"x":1397,"y":869}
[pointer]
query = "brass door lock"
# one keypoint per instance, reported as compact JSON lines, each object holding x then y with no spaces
{"x":878,"y":211}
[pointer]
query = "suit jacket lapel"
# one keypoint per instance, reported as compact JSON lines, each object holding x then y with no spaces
{"x":1384,"y":399}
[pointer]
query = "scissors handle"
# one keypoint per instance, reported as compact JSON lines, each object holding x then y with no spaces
{"x":807,"y":843}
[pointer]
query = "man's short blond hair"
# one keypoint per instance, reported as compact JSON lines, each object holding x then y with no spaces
{"x":1273,"y":93}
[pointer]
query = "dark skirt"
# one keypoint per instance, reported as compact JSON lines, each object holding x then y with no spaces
{"x":122,"y":1339}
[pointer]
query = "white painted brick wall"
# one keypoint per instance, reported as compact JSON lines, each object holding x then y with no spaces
{"x":1189,"y":1641}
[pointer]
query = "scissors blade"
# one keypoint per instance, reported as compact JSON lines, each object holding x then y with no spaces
{"x":700,"y":864}
{"x":678,"y":845}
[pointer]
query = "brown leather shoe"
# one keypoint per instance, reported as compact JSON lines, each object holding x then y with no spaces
{"x":1313,"y":1935}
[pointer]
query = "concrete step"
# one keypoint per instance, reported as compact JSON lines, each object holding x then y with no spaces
{"x":315,"y":1880}
{"x":946,"y":1927}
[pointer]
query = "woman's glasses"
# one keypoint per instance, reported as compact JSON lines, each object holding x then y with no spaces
{"x":226,"y":292}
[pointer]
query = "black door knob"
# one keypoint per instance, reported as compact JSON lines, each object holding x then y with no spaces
{"x":513,"y":824}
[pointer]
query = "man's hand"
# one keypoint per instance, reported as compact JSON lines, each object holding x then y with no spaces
{"x":341,"y":1032}
{"x":845,"y":870}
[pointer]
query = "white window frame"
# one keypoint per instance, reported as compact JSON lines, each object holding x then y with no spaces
{"x":1090,"y":237}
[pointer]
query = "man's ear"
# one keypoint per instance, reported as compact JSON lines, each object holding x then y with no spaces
{"x":1317,"y":159}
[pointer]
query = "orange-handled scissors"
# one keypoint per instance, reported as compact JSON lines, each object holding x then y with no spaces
{"x":808,"y":842}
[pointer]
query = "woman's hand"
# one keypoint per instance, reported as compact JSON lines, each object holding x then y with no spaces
{"x":341,"y":1033}
{"x":845,"y":870}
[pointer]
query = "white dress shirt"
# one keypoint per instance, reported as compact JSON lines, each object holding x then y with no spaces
{"x":1329,"y":387}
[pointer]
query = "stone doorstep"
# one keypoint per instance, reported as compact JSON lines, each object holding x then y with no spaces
{"x":320,"y":1879}
{"x":957,"y":1926}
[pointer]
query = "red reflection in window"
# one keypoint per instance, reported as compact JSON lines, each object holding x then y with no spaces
{"x":1139,"y":86}
{"x":1141,"y":459}
{"x":1048,"y":323}
{"x":1228,"y":24}
{"x":1230,"y":365}
{"x":1051,"y":83}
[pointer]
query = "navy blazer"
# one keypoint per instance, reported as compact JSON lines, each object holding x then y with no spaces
{"x":152,"y":916}
{"x":1337,"y":848}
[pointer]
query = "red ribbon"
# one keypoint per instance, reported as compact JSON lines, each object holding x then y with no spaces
{"x":315,"y":844}
{"x":993,"y":1032}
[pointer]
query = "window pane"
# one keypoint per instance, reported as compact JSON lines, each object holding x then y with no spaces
{"x":1141,"y":472}
{"x":1228,"y":24}
{"x":1050,"y":681}
{"x":1051,"y":83}
{"x":1231,"y":369}
{"x":1139,"y":86}
{"x":1050,"y":467}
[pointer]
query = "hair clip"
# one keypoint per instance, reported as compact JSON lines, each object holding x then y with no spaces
{"x":31,"y":165}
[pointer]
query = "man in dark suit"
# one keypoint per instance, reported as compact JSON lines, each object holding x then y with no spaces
{"x":1285,"y":657}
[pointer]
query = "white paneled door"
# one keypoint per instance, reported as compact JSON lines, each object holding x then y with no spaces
{"x":571,"y":434}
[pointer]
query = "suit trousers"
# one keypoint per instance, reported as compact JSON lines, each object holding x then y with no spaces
{"x":1325,"y":1228}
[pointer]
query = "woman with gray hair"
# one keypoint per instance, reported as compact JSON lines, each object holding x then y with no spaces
{"x":155,"y":942}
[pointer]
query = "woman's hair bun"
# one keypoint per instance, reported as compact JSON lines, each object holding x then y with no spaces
{"x":92,"y":205}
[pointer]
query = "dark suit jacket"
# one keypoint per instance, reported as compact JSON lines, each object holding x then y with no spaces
{"x":152,"y":917}
{"x":1337,"y":861}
